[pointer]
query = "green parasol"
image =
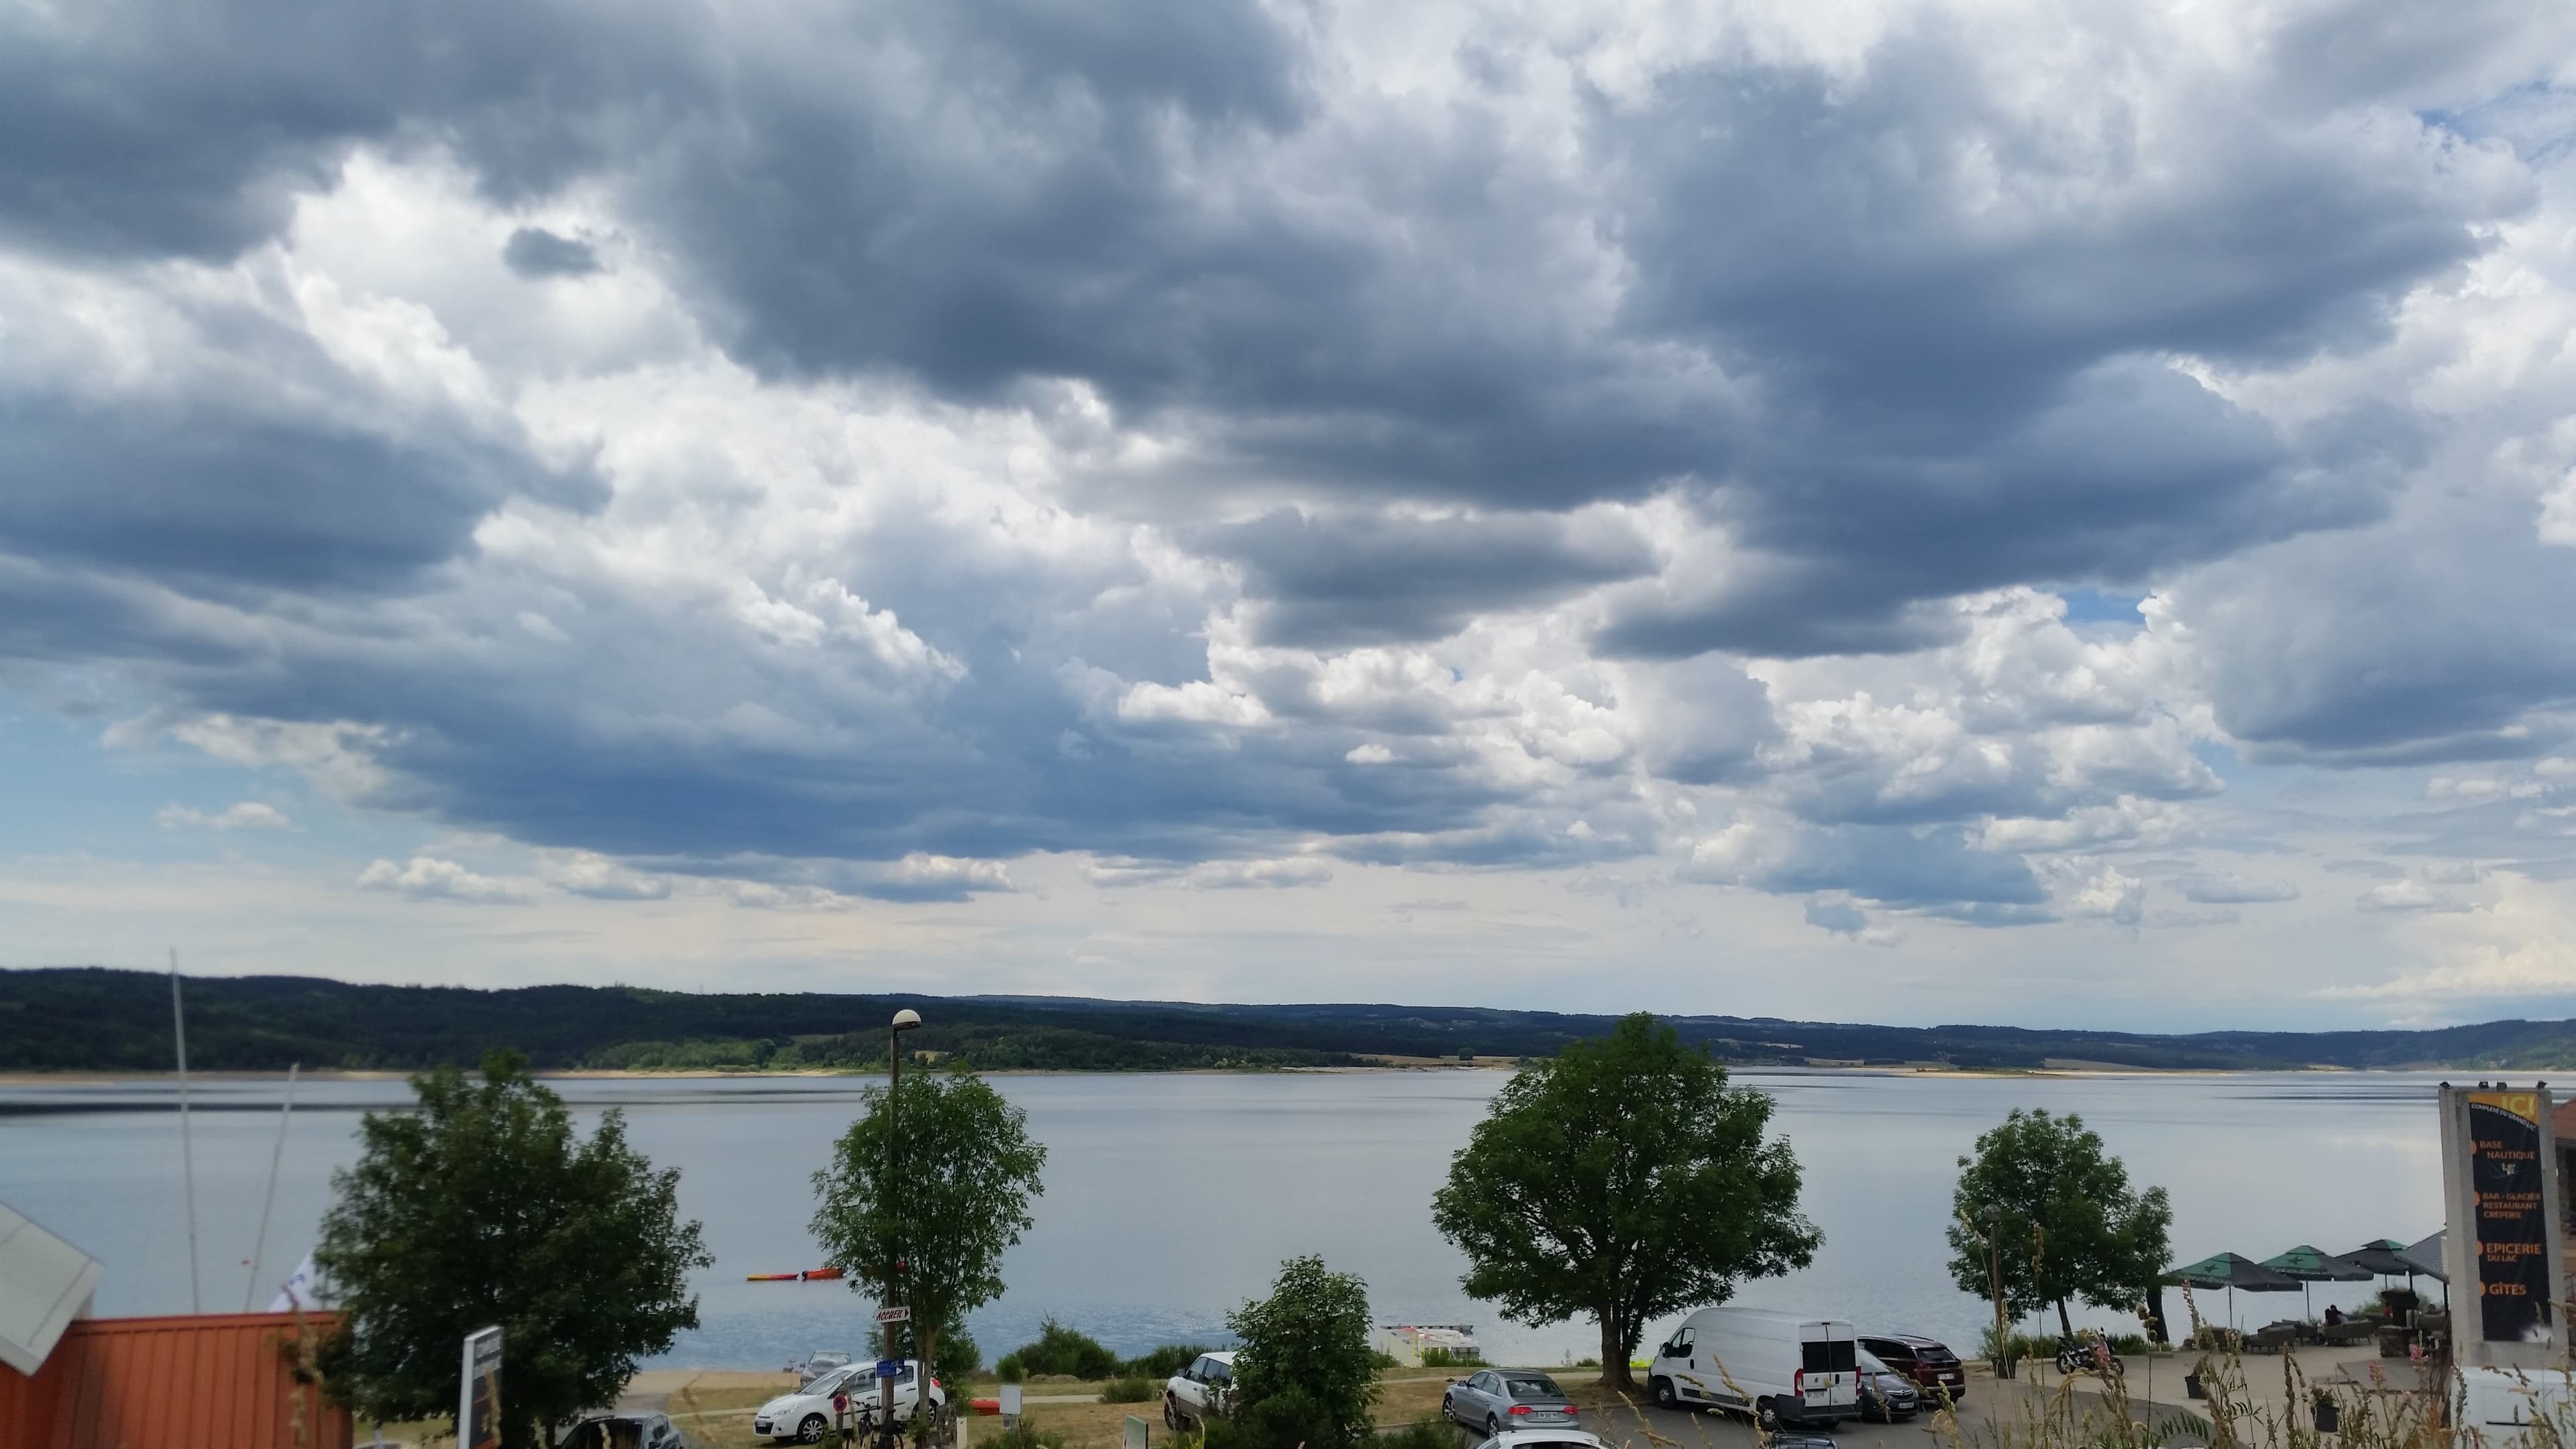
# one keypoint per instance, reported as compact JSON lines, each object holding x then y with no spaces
{"x":2314,"y":1265}
{"x":2231,"y":1271}
{"x":2380,"y":1256}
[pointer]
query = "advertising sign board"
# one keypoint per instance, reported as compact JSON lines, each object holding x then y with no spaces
{"x":2502,"y":1239}
{"x":2512,"y":1220}
{"x":478,"y":1402}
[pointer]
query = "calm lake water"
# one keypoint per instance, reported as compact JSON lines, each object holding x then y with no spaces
{"x":1170,"y":1199}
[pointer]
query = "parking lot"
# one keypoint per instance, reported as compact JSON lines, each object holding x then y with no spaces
{"x":1640,"y":1425}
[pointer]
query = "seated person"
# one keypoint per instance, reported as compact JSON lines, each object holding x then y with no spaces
{"x":2334,"y":1315}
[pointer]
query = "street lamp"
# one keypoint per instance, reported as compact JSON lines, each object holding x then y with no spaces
{"x":904,"y":1021}
{"x":1993,"y":1218}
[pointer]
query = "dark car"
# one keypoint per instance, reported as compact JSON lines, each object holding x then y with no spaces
{"x":1885,"y":1395}
{"x":1929,"y":1362}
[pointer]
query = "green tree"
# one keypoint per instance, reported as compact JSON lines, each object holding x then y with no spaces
{"x":2070,"y":1225}
{"x":481,"y":1206}
{"x":1304,"y":1374}
{"x":926,"y":1223}
{"x":1624,"y":1179}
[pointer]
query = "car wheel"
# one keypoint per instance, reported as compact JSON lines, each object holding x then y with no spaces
{"x":811,"y":1431}
{"x":1448,"y":1409}
{"x":1493,"y":1426}
{"x":1172,"y":1416}
{"x":1767,"y":1414}
{"x":1661,"y":1390}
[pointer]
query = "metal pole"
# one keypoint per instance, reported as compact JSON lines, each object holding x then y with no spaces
{"x":276,"y":1155}
{"x":1995,"y":1280}
{"x":894,"y":1098}
{"x":187,"y":1153}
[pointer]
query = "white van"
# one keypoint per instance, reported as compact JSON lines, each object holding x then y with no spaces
{"x":2504,"y":1406}
{"x":1778,"y":1367}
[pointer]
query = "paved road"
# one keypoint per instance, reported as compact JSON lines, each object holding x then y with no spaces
{"x":1647,"y":1427}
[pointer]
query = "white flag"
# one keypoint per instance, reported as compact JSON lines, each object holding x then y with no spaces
{"x":301,"y":1290}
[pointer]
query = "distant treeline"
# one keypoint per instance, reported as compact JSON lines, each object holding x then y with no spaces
{"x":89,"y":1018}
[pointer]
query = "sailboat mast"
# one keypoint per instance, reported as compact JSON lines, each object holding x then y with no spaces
{"x":276,"y":1155}
{"x":187,"y":1152}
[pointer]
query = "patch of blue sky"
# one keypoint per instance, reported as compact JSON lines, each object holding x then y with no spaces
{"x":72,"y":793}
{"x":2221,"y":759}
{"x":2095,"y":606}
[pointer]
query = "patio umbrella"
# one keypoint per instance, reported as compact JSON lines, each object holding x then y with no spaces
{"x":2310,"y":1265}
{"x":2380,"y":1255}
{"x":2426,"y":1258}
{"x":2231,"y":1271}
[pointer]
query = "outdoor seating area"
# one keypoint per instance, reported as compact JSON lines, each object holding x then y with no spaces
{"x":2395,"y":1322}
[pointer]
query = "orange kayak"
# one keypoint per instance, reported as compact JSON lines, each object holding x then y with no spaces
{"x":810,"y":1275}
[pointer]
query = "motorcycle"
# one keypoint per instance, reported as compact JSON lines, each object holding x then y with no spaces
{"x":2086,"y":1352}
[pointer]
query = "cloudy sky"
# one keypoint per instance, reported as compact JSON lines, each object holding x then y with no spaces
{"x":2020,"y":511}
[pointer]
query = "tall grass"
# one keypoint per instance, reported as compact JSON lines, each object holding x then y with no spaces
{"x":2407,"y":1404}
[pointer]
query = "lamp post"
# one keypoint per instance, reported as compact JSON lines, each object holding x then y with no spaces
{"x":904,"y":1021}
{"x":1993,"y":1217}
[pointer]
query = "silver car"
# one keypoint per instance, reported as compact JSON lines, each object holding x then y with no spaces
{"x":822,"y":1362}
{"x":1496,"y":1400}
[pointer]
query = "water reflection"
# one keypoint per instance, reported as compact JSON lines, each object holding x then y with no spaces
{"x":1172,"y":1198}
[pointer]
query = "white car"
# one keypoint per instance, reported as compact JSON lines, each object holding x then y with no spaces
{"x":1199,"y":1392}
{"x":807,"y":1414}
{"x":1542,"y":1439}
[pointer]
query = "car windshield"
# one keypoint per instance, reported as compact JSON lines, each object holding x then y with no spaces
{"x":1532,"y":1386}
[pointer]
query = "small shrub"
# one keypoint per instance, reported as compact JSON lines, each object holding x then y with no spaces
{"x":1061,"y":1350}
{"x":1026,"y":1435}
{"x":1420,"y":1434}
{"x":1284,"y":1420}
{"x":1163,"y":1361}
{"x":959,"y":1359}
{"x":1134,"y":1389}
{"x":1383,"y":1360}
{"x":1009,"y":1368}
{"x":1452,"y":1358}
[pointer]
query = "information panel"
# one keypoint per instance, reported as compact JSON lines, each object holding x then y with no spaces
{"x":478,"y":1409}
{"x":2512,"y":1222}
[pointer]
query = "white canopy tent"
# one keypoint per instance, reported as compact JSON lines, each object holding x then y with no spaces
{"x":45,"y":1283}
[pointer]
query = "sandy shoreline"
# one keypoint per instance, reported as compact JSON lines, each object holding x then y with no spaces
{"x":106,"y":1078}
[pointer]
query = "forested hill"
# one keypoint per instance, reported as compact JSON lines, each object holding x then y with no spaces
{"x":86,"y":1018}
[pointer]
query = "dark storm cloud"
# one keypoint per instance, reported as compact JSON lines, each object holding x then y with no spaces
{"x":143,"y":129}
{"x":1001,"y":192}
{"x":1340,"y":579}
{"x":1930,"y":870}
{"x":1890,"y":339}
{"x":533,"y":251}
{"x":2385,"y":647}
{"x":184,"y":494}
{"x":1933,"y":872}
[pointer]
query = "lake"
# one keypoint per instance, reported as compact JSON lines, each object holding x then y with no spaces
{"x":1171,"y":1199}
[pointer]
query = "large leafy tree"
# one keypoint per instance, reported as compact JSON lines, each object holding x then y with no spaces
{"x":2068,"y":1224}
{"x":1304,"y":1373}
{"x":1626,"y":1180}
{"x":482,"y":1206}
{"x":922,"y":1217}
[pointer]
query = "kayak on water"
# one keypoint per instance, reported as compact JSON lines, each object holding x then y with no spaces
{"x":810,"y":1275}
